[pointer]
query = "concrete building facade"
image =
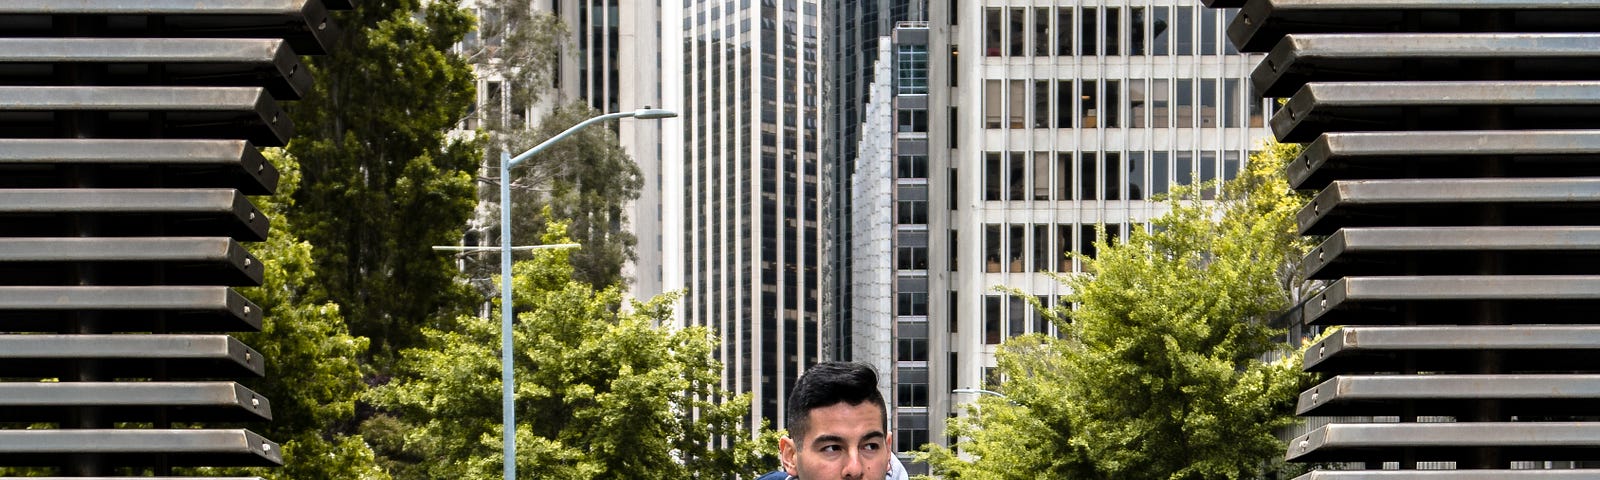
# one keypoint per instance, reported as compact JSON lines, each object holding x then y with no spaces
{"x":1022,"y":130}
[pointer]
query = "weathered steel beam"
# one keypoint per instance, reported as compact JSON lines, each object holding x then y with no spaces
{"x":1378,"y":442}
{"x":176,"y":447}
{"x":131,"y":212}
{"x":129,"y":356}
{"x":150,"y":260}
{"x":1445,"y":250}
{"x":214,"y":62}
{"x":1387,"y":155}
{"x":1261,"y":23}
{"x":1451,"y":395}
{"x":305,"y":23}
{"x":247,"y":113}
{"x":132,"y":401}
{"x":178,"y":309}
{"x":1325,"y":107}
{"x":1367,"y":57}
{"x":1533,"y":201}
{"x":1523,"y":348}
{"x":42,"y":163}
{"x":1449,"y":299}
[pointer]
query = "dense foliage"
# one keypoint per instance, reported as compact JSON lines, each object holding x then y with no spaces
{"x":1159,"y":373}
{"x":602,"y":391}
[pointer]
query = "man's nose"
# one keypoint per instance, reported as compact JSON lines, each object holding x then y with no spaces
{"x":855,"y":467}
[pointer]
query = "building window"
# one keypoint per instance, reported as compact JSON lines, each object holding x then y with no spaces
{"x":1088,"y":179}
{"x":1185,"y":32}
{"x":911,"y":350}
{"x":992,"y":104}
{"x":1183,"y":168}
{"x":1064,"y":96}
{"x":991,"y":248}
{"x":1018,"y":26}
{"x":1208,"y":31}
{"x":1063,"y":247}
{"x":912,"y":121}
{"x":1015,"y":180}
{"x":1064,"y":31}
{"x":1017,"y":318}
{"x":1113,"y":170}
{"x":1230,"y":103}
{"x":911,"y":166}
{"x":1160,"y":103}
{"x":911,"y":69}
{"x":911,"y":212}
{"x":1041,"y":104}
{"x":1019,"y":103}
{"x":1208,"y":102}
{"x":1041,"y":32}
{"x":1041,"y":176}
{"x":1185,"y":95}
{"x":1136,"y":183}
{"x":1113,"y":103}
{"x":1041,"y":248}
{"x":1064,"y":169}
{"x":912,"y":304}
{"x":1088,"y":106}
{"x":1160,"y":23}
{"x":912,"y":390}
{"x":1113,"y":33}
{"x":1041,"y":325}
{"x":1136,"y":29}
{"x":991,"y":32}
{"x":1016,"y":258}
{"x":1089,"y":33}
{"x":991,"y":176}
{"x":991,"y":319}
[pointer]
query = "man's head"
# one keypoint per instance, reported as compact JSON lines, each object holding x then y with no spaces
{"x":837,"y":425}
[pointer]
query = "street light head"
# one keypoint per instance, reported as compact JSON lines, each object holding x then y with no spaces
{"x":653,"y":113}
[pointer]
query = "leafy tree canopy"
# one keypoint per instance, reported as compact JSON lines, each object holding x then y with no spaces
{"x":602,"y":392}
{"x":1158,"y":374}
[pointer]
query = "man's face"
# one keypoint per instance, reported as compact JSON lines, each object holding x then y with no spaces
{"x":842,"y":441}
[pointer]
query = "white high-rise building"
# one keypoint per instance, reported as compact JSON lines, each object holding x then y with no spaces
{"x":1022,"y":128}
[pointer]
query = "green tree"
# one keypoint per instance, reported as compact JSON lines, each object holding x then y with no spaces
{"x":602,"y":391}
{"x":586,"y":181}
{"x":313,"y":377}
{"x":1158,"y":375}
{"x":381,"y":182}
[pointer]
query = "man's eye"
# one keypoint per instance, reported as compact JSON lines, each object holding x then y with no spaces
{"x":832,"y":448}
{"x":872,"y":446}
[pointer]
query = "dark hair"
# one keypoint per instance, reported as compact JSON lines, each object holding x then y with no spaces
{"x":830,"y":383}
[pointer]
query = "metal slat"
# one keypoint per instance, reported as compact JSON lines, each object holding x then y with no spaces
{"x":222,"y":62}
{"x":1529,"y":201}
{"x":1262,"y":23}
{"x":1449,"y":250}
{"x":1453,"y":299}
{"x":125,"y":356}
{"x":177,"y":447}
{"x":1384,"y":155}
{"x":1387,"y":106}
{"x":35,"y":163}
{"x":180,"y":309}
{"x":132,"y":401}
{"x":1452,"y":475}
{"x":171,"y":260}
{"x":1452,"y":395}
{"x":1299,"y":59}
{"x":247,"y":113}
{"x":1517,"y":441}
{"x":1523,"y":348}
{"x":305,"y":23}
{"x":131,"y":212}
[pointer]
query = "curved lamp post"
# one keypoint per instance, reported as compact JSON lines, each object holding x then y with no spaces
{"x":507,"y":380}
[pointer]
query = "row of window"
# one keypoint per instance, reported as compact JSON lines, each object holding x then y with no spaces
{"x":1144,"y":103}
{"x":1046,"y":176}
{"x":1021,"y":248}
{"x":1088,"y":31}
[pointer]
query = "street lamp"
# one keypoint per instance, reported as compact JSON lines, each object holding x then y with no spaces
{"x":981,"y":391}
{"x":507,"y":382}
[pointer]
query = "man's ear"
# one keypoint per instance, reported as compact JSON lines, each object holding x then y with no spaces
{"x":787,"y":453}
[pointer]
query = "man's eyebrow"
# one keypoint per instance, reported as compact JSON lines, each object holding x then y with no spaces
{"x":873,"y":435}
{"x":827,"y":438}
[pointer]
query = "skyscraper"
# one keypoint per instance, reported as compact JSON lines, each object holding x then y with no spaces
{"x":1022,"y":131}
{"x":747,"y":219}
